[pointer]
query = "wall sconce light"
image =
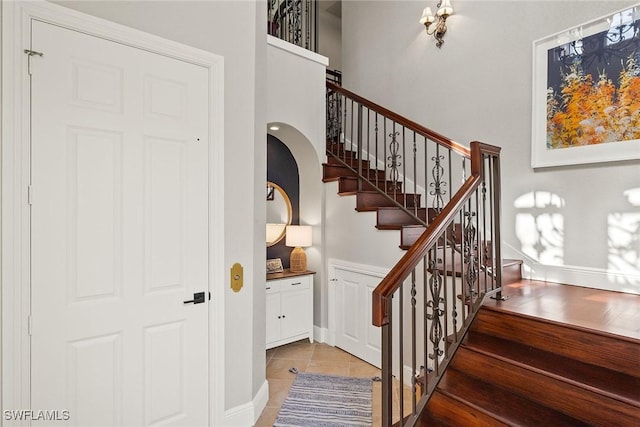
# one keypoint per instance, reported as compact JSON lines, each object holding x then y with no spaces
{"x":298,"y":237}
{"x":438,"y":20}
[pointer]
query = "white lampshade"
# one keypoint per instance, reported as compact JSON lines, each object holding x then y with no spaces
{"x":427,"y":15}
{"x":298,"y":236}
{"x":445,"y":8}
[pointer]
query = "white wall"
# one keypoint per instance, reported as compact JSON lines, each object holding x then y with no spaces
{"x":227,"y":28}
{"x":330,"y":38}
{"x":259,"y":209}
{"x":478,"y":87}
{"x":296,"y":103}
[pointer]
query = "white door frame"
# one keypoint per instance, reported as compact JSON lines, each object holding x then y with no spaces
{"x":14,"y":214}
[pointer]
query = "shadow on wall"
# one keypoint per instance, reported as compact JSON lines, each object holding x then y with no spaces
{"x":540,"y":230}
{"x":540,"y":226}
{"x":623,"y":232}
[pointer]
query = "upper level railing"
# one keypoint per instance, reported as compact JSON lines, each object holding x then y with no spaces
{"x":429,"y":298}
{"x":294,"y":21}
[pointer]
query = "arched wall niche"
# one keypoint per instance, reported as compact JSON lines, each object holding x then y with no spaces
{"x":311,"y":204}
{"x":282,"y":170}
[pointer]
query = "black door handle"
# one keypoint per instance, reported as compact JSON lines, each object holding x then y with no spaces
{"x":198,"y":298}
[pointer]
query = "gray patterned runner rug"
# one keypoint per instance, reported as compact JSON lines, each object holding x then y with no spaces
{"x":326,"y":401}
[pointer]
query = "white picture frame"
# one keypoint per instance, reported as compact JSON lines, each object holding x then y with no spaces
{"x":543,"y":151}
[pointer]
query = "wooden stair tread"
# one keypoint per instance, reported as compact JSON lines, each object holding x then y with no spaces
{"x":500,"y":403}
{"x":601,"y":380}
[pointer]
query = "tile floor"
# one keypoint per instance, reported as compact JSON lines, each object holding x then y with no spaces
{"x":315,"y":358}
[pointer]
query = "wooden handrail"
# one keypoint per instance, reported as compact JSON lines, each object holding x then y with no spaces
{"x":390,"y":284}
{"x":403,"y":121}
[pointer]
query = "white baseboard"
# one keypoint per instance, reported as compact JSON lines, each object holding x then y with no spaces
{"x":320,"y":334}
{"x":595,"y":278}
{"x":586,"y":277}
{"x":248,"y":413}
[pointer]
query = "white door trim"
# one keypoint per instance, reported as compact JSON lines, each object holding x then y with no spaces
{"x":14,"y":214}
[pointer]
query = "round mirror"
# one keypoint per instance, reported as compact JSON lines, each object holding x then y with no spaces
{"x":279,"y":213}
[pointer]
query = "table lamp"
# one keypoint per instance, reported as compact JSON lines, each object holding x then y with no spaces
{"x":298,"y":237}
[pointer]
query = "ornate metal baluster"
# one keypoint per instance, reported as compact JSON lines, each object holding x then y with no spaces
{"x":294,"y":11}
{"x":333,"y":119}
{"x":413,"y":341}
{"x":307,"y":14}
{"x":470,"y":251}
{"x":438,"y":184}
{"x":434,"y":304}
{"x":394,"y":158}
{"x":416,"y":205}
{"x":485,"y":259}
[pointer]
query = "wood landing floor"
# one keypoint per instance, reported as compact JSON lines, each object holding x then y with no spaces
{"x":610,"y":312}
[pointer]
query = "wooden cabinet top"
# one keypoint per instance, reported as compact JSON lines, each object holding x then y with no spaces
{"x":287,"y":273}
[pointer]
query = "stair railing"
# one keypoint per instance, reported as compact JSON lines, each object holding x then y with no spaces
{"x":415,"y":166}
{"x":429,"y":298}
{"x":294,"y":21}
{"x":446,"y":288}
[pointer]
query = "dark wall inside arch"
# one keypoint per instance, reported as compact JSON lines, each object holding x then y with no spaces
{"x":282,"y":170}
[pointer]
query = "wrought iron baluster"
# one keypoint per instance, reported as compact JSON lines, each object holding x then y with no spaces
{"x":394,"y":159}
{"x":401,"y":351}
{"x":387,"y":378}
{"x":486,"y":266}
{"x":470,"y":249}
{"x":438,"y":184}
{"x":489,"y":176}
{"x":413,"y":341}
{"x":434,"y":304}
{"x":416,"y":205}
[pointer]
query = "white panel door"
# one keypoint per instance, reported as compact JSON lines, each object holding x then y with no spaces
{"x":119,"y":222}
{"x":354,"y":331}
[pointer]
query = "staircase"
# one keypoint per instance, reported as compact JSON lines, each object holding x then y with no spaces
{"x":487,"y":366}
{"x":368,"y":199}
{"x":516,"y":370}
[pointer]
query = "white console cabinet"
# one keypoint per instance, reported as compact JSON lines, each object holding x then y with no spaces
{"x":289,"y":307}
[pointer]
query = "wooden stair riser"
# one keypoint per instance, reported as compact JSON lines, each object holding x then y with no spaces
{"x":615,"y":385}
{"x":453,"y":412}
{"x":615,"y":353}
{"x":392,"y":218}
{"x":498,"y":404}
{"x":349,"y":186}
{"x":409,"y":235}
{"x":554,"y":393}
{"x":370,"y":201}
{"x":354,"y":163}
{"x":334,"y":172}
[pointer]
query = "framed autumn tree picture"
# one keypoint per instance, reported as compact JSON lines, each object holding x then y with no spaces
{"x":586,"y":93}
